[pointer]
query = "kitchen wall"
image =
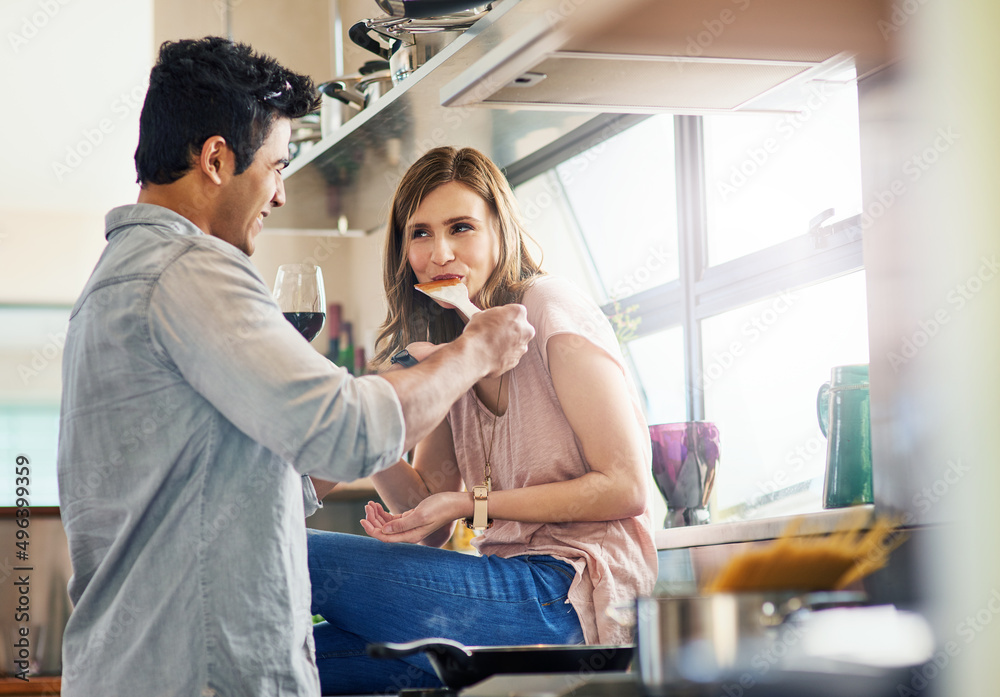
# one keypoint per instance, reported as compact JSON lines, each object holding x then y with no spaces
{"x":72,"y":139}
{"x":73,"y":76}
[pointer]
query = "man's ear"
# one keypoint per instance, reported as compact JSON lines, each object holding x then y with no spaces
{"x":214,"y":155}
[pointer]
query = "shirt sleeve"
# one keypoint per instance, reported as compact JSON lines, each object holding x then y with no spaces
{"x":310,"y":501}
{"x":212,"y":318}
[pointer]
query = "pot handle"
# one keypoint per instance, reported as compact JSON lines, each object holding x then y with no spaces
{"x":823,"y":407}
{"x":337,"y":89}
{"x":373,"y":67}
{"x":445,"y":649}
{"x":358,"y":33}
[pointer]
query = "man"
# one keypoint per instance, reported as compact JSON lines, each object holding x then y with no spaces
{"x":192,"y":410}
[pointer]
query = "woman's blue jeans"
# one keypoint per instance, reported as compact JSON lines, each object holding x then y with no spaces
{"x":371,"y":591}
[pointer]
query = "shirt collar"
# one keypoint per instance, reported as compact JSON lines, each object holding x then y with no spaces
{"x":147,"y":214}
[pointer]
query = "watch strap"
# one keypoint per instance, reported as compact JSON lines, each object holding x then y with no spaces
{"x":480,"y":516}
{"x":404,"y":359}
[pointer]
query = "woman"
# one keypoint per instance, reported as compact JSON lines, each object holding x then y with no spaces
{"x":557,"y":447}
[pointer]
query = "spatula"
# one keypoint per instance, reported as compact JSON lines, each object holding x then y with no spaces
{"x":451,"y":291}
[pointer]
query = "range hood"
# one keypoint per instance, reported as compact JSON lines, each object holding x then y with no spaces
{"x":536,"y":73}
{"x":680,"y":56}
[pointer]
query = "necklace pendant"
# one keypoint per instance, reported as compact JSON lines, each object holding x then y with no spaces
{"x":489,"y":484}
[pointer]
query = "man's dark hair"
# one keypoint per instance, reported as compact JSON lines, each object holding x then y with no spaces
{"x":207,"y":87}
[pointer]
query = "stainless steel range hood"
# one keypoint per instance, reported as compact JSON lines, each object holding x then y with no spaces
{"x":534,"y":72}
{"x":688,"y":56}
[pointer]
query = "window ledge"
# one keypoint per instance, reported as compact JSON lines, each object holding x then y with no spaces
{"x":766,"y":529}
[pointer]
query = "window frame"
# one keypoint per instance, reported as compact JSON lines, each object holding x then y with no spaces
{"x":822,"y":253}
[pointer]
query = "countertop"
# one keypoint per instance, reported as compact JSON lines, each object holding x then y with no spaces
{"x":818,"y":523}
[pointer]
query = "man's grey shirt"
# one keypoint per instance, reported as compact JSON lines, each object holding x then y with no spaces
{"x":191,"y":410}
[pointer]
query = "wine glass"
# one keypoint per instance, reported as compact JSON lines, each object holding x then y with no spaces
{"x":298,"y":290}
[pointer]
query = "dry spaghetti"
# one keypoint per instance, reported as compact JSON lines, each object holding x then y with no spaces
{"x":811,"y":563}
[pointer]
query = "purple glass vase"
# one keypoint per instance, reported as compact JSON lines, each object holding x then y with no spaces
{"x":685,"y":456}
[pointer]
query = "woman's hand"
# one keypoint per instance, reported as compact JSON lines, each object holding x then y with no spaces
{"x":375,"y":517}
{"x":414,"y":525}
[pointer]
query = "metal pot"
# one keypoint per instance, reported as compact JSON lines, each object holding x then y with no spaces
{"x":424,"y":8}
{"x":333,"y":112}
{"x":408,"y":43}
{"x":410,"y":56}
{"x":698,"y":640}
{"x":459,"y":666}
{"x":358,"y":93}
{"x":352,"y":93}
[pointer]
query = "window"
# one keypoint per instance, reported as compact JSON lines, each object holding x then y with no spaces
{"x":729,"y":249}
{"x":32,"y":431}
{"x":609,"y":190}
{"x":764,"y":364}
{"x":30,"y":387}
{"x":659,"y":359}
{"x":767,"y":176}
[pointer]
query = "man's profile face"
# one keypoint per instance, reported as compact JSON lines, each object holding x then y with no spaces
{"x":247,"y":198}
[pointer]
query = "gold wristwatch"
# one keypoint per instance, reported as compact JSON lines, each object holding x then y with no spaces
{"x":479,"y":521}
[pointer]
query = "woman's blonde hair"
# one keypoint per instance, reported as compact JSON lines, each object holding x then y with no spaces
{"x":412,"y":316}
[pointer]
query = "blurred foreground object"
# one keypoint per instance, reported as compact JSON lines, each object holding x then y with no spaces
{"x":827,"y":562}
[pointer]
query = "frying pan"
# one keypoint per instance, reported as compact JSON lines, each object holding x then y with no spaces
{"x":459,"y":666}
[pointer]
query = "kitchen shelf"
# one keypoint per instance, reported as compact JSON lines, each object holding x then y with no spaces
{"x":586,"y":59}
{"x":354,"y":171}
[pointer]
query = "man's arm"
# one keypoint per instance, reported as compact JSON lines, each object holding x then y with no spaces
{"x":492,"y":343}
{"x":212,"y":318}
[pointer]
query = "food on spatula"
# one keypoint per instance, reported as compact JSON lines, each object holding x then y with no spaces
{"x":434,"y":285}
{"x":451,"y":291}
{"x":811,"y":563}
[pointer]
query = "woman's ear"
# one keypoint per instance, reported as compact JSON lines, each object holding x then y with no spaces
{"x":212,"y":159}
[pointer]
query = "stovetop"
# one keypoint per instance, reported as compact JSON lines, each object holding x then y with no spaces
{"x":628,"y":684}
{"x":608,"y":683}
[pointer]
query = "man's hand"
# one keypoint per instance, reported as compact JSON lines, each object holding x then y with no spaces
{"x":493,"y":342}
{"x":503,"y":334}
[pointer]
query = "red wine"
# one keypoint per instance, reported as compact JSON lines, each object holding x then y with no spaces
{"x":308,"y":324}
